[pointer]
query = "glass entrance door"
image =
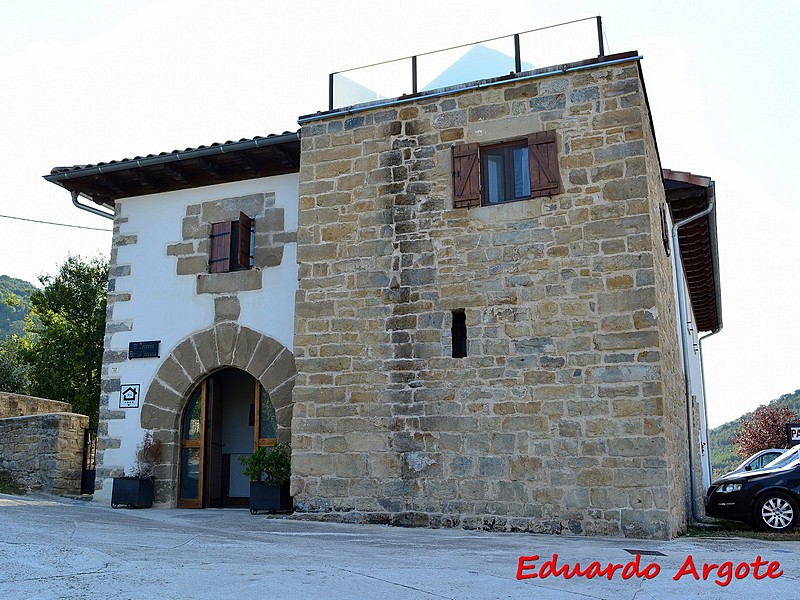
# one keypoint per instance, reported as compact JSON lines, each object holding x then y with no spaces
{"x":190,"y":485}
{"x":227,"y":416}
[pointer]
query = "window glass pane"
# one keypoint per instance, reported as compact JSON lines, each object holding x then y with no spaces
{"x":191,"y":419}
{"x":252,"y":247}
{"x":494,"y":181}
{"x":267,"y":424}
{"x":522,"y":175}
{"x":190,"y":473}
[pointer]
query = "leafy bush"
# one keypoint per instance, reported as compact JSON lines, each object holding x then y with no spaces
{"x":9,"y":484}
{"x":272,"y":464}
{"x":63,"y":343}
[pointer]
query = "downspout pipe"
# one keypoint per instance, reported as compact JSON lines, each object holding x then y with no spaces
{"x":90,"y":209}
{"x":703,"y":376}
{"x":683,"y":316}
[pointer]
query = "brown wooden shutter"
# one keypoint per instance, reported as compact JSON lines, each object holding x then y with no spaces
{"x":543,"y":158}
{"x":665,"y":230}
{"x":219,"y":259}
{"x":466,"y":176}
{"x":245,"y":226}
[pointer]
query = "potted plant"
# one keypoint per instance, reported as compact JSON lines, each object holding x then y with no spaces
{"x":269,"y":469}
{"x":136,"y":490}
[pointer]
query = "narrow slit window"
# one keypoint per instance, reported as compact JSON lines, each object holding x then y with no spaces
{"x":459,"y":334}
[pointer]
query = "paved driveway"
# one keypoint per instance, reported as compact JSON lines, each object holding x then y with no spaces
{"x":58,"y":548}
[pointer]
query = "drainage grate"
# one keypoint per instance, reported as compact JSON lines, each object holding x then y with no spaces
{"x":644,"y":552}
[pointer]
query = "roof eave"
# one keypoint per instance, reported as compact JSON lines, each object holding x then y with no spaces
{"x":687,"y":194}
{"x":95,"y":181}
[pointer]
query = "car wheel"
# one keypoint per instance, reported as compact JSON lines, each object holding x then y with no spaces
{"x":775,"y":512}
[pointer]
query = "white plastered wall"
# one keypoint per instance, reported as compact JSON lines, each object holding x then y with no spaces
{"x":165,"y":306}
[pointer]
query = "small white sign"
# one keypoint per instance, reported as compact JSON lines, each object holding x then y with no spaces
{"x":793,"y":433}
{"x":129,"y":395}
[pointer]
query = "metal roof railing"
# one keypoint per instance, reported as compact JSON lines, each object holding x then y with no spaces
{"x":488,"y":58}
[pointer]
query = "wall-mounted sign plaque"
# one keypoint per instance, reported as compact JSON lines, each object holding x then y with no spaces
{"x":129,"y":395}
{"x":143,"y":349}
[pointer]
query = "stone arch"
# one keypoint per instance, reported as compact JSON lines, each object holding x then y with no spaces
{"x":192,"y":360}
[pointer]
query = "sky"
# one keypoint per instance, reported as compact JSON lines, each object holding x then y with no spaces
{"x":87,"y":81}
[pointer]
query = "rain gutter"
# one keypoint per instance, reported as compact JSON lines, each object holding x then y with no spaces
{"x":90,"y":209}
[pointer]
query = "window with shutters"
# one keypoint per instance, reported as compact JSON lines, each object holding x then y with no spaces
{"x":232,"y":245}
{"x":493,"y":174}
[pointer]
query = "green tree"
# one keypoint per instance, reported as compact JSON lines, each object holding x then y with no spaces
{"x":63,"y":345}
{"x":14,"y":294}
{"x":13,"y":373}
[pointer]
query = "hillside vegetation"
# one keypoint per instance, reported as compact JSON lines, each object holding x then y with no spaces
{"x":12,"y":318}
{"x":723,"y":457}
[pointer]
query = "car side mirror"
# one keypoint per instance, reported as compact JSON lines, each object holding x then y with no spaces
{"x":748,"y":468}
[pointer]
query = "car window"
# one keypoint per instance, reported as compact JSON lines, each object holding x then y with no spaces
{"x":784,"y":459}
{"x":763,"y":460}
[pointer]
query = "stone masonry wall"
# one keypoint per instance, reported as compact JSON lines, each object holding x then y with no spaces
{"x":17,"y":405}
{"x":44,"y":451}
{"x":556,"y":420}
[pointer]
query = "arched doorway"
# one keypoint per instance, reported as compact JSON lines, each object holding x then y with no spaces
{"x":194,"y":361}
{"x":227,"y":416}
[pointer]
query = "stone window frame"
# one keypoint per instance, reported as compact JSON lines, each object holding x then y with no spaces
{"x":193,"y":249}
{"x":544,"y":171}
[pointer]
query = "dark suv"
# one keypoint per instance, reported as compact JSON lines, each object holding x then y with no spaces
{"x":768,"y":498}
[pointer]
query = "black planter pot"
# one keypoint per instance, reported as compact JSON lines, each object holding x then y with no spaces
{"x":270,"y":497}
{"x":132,"y":492}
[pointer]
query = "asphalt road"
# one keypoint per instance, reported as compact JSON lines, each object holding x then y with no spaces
{"x":60,"y":548}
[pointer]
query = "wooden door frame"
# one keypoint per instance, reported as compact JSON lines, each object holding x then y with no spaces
{"x":214,"y":402}
{"x":257,"y":440}
{"x":199,"y":443}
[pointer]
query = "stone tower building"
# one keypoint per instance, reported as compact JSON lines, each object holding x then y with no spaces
{"x":486,"y":329}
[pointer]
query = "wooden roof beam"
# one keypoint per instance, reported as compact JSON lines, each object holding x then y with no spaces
{"x":210,"y":168}
{"x":143,"y":179}
{"x":106,"y":181}
{"x":176,"y":174}
{"x":247,"y":163}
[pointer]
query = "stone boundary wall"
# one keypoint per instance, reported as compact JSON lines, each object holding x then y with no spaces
{"x":17,"y":405}
{"x":44,"y":451}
